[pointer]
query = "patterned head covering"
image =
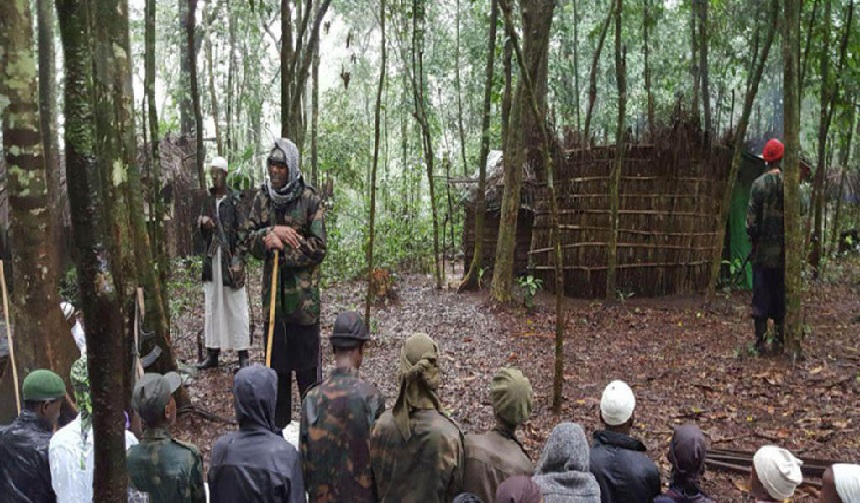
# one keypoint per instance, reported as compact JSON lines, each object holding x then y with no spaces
{"x":419,"y":380}
{"x":286,"y":153}
{"x":81,"y":385}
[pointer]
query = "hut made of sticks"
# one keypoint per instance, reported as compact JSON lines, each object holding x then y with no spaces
{"x":669,"y":198}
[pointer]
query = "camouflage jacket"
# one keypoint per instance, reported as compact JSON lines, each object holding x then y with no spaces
{"x":491,"y":459}
{"x":229,"y":219}
{"x":298,"y":296}
{"x":426,"y":469}
{"x":337,"y":416}
{"x":167,"y":470}
{"x":765,"y":224}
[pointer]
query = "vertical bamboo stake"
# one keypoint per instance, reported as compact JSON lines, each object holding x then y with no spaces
{"x":9,"y":337}
{"x":272,"y":310}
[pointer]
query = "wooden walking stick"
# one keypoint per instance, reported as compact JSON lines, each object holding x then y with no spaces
{"x":272,"y":296}
{"x":9,"y":336}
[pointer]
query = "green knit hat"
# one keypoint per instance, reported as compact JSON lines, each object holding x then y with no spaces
{"x":42,"y":385}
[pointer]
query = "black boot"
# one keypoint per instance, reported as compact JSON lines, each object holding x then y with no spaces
{"x":761,"y":336}
{"x":211,"y":360}
{"x":244,"y":360}
{"x":779,"y":336}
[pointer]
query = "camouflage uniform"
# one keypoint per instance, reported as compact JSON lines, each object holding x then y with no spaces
{"x":168,"y":470}
{"x":336,"y":420}
{"x":766,"y":228}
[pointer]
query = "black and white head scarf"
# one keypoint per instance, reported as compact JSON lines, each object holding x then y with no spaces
{"x":286,"y":152}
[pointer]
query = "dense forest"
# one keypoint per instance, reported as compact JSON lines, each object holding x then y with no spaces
{"x":591,"y":149}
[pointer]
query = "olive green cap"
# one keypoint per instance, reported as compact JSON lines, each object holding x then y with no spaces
{"x":152,"y":393}
{"x":41,"y":385}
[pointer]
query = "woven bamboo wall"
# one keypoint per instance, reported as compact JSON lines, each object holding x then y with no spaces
{"x":669,"y":198}
{"x":525,"y":220}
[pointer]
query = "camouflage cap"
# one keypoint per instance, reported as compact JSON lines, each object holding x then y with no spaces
{"x":512,"y":396}
{"x":349,"y":331}
{"x":42,"y":385}
{"x":152,"y":394}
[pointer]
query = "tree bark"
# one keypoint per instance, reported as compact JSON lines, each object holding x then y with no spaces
{"x":186,"y":105}
{"x":740,"y":134}
{"x":460,"y":98}
{"x":791,"y":165}
{"x":843,"y":162}
{"x":213,"y":99}
{"x":157,"y":234}
{"x":703,"y":68}
{"x":315,"y":114}
{"x":470,"y":281}
{"x":524,"y":134}
{"x":41,"y":336}
{"x":810,"y":30}
{"x":618,"y":162}
{"x":646,"y":22}
{"x":98,"y":287}
{"x":694,"y":62}
{"x":592,"y":79}
{"x":576,"y":62}
{"x":191,"y":40}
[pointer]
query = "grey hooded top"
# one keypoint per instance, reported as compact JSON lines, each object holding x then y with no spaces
{"x":563,"y":468}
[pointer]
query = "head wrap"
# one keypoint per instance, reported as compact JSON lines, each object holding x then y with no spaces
{"x":285,"y":152}
{"x":518,"y":489}
{"x":846,"y":478}
{"x":81,"y":385}
{"x":617,"y":403}
{"x":220,"y":163}
{"x":419,"y":380}
{"x":68,"y":310}
{"x":773,"y":151}
{"x":687,"y":453}
{"x":512,"y":395}
{"x":778,"y":471}
{"x":42,"y":385}
{"x":467,"y":498}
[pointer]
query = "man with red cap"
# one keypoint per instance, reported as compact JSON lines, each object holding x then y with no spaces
{"x":766,"y":229}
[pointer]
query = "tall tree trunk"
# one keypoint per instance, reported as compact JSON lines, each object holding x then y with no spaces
{"x":98,"y":287}
{"x":470,"y":281}
{"x":646,"y":22}
{"x":694,"y":61}
{"x":703,"y":68}
{"x":40,"y":334}
{"x":810,"y":30}
{"x":315,"y":114}
{"x":186,"y":105}
{"x":618,"y":162}
{"x":793,"y":237}
{"x":376,"y":121}
{"x":740,"y":134}
{"x":286,"y":59}
{"x":191,"y":39}
{"x":592,"y":79}
{"x":213,"y":99}
{"x":231,"y":77}
{"x":460,"y":98}
{"x":843,"y":162}
{"x":539,"y":117}
{"x":524,"y":135}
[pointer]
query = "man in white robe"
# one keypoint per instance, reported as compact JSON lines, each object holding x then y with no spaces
{"x":226,"y":320}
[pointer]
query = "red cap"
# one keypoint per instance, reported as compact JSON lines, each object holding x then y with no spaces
{"x":773,"y":151}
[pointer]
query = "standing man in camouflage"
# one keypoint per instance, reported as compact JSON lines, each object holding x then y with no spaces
{"x":416,"y":452}
{"x":766,"y":229}
{"x":287,"y":215}
{"x":337,"y":417}
{"x":225,"y":324}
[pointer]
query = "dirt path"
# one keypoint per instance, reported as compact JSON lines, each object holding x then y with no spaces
{"x":685,"y":363}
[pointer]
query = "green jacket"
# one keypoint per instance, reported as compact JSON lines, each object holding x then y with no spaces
{"x":297,"y":298}
{"x":765,"y":223}
{"x":167,"y":470}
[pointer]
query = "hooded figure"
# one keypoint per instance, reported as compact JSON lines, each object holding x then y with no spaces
{"x":519,"y":490}
{"x":255,"y":464}
{"x":687,"y":454}
{"x":563,"y":469}
{"x":287,"y":216}
{"x":416,"y":452}
{"x":497,"y":455}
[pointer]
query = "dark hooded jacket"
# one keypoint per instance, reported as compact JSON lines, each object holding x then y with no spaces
{"x":25,"y":476}
{"x":562,"y":470}
{"x":622,"y":469}
{"x":255,"y":464}
{"x":687,"y":453}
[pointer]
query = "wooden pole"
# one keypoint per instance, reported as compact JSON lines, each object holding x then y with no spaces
{"x":271,"y":310}
{"x":9,"y":337}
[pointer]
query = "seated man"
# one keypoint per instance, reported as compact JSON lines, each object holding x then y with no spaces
{"x":25,"y":475}
{"x":618,"y":461}
{"x":71,"y":454}
{"x":562,"y":470}
{"x":775,"y":474}
{"x":496,"y":456}
{"x":840,"y":484}
{"x":255,"y":464}
{"x":167,"y":470}
{"x":337,"y":417}
{"x":416,"y":452}
{"x":687,"y":453}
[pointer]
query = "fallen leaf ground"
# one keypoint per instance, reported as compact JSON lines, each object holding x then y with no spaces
{"x":686,"y":363}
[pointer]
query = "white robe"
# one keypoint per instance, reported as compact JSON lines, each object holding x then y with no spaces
{"x":226,"y":320}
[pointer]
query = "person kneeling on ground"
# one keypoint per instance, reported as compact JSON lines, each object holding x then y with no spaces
{"x":168,"y":470}
{"x":25,"y":475}
{"x":255,"y":463}
{"x":687,"y":453}
{"x":775,"y":474}
{"x":337,"y":417}
{"x":518,"y":489}
{"x":497,"y":455}
{"x":619,"y":463}
{"x":563,"y":468}
{"x":840,"y":484}
{"x":416,"y":452}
